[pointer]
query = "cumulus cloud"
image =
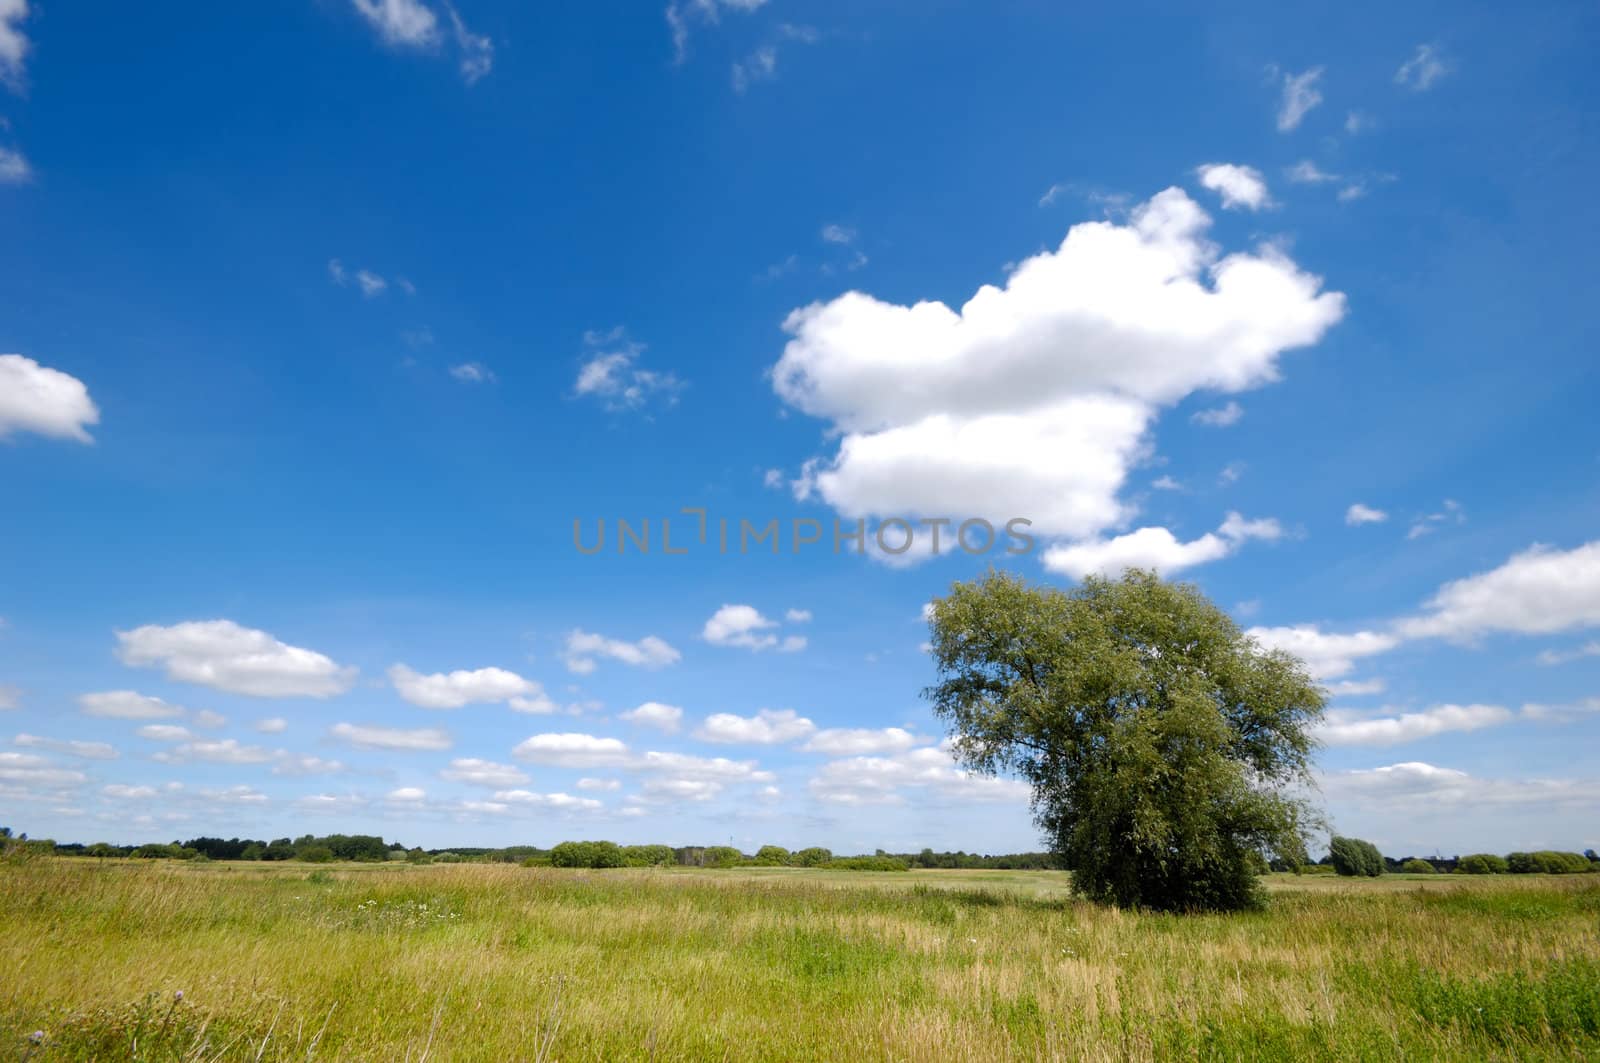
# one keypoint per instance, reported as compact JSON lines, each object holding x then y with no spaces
{"x":1537,"y":592}
{"x":304,"y":764}
{"x":554,"y":802}
{"x":942,"y":412}
{"x":1158,"y":548}
{"x":745,"y":627}
{"x":1343,"y":727}
{"x":1420,"y":788}
{"x":225,"y":656}
{"x":412,"y":24}
{"x":165,"y":732}
{"x":609,"y":785}
{"x":572,"y":751}
{"x":1300,"y":95}
{"x":859,"y":741}
{"x":222,"y":751}
{"x":767,"y":727}
{"x":1241,"y":187}
{"x":31,"y":771}
{"x":881,"y":780}
{"x":655,"y":714}
{"x":798,"y":616}
{"x":44,"y":401}
{"x":477,"y":772}
{"x":272,"y":725}
{"x":610,"y":373}
{"x":1219,"y":416}
{"x":126,"y":705}
{"x":391,"y":738}
{"x":1577,"y":653}
{"x":452,"y":690}
{"x":1327,"y":655}
{"x":649,"y":652}
{"x":70,"y":747}
{"x":1359,"y":513}
{"x":473,"y":373}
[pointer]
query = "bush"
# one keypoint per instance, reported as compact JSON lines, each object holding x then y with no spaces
{"x":648,"y":855}
{"x":1352,"y":856}
{"x":315,"y":854}
{"x":772,"y":856}
{"x":868,"y":863}
{"x":816,"y":856}
{"x":1482,"y":864}
{"x":723,"y":856}
{"x":1417,"y":866}
{"x":1546,"y":862}
{"x":588,"y":854}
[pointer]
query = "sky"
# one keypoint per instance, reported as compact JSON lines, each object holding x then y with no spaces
{"x":335,"y":333}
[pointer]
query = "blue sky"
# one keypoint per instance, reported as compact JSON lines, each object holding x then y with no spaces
{"x":325,"y":321}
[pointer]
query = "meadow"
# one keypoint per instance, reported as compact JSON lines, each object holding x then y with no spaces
{"x":127,"y":959}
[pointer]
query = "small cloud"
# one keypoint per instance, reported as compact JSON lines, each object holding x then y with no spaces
{"x":798,"y":616}
{"x":1300,"y":96}
{"x":1230,"y":473}
{"x":473,"y":373}
{"x":1554,"y":657}
{"x":14,"y":168}
{"x":1425,"y":67}
{"x":370,"y":283}
{"x":1356,"y":123}
{"x":1360,"y":513}
{"x":759,"y":65}
{"x":477,"y":54}
{"x":1220,"y":416}
{"x":1167,"y":483}
{"x":1239,"y":186}
{"x":611,"y":373}
{"x":834,"y":233}
{"x":1450,"y":513}
{"x":1306,"y":172}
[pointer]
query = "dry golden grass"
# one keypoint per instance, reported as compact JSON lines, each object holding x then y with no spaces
{"x":495,"y":962}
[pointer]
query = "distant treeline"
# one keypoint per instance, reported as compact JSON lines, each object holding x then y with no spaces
{"x":369,"y":848}
{"x":1355,"y":857}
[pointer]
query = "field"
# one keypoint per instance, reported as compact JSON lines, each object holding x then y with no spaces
{"x":497,"y":962}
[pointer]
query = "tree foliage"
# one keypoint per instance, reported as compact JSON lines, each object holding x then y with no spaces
{"x":1352,"y":856}
{"x":1162,"y":744}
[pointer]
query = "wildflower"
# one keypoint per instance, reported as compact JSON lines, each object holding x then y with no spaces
{"x":177,"y":996}
{"x":36,"y":1036}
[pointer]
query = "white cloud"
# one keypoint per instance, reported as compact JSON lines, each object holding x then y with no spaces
{"x":1568,"y":713}
{"x":126,"y":705}
{"x":859,"y":741}
{"x":223,"y":751}
{"x":1300,"y":95}
{"x":35,"y":772}
{"x":572,"y":751}
{"x":1306,"y":172}
{"x":1239,"y":186}
{"x":369,"y":737}
{"x":649,"y":652}
{"x":225,"y":656}
{"x":14,"y":44}
{"x":209,"y":720}
{"x":798,"y":616}
{"x":880,"y":780}
{"x":370,"y":283}
{"x":1219,"y":416}
{"x":408,"y":795}
{"x":688,"y":766}
{"x":759,"y":65}
{"x":834,"y":233}
{"x":680,"y":12}
{"x":14,"y":167}
{"x":1350,"y":688}
{"x":767,"y":727}
{"x":1537,"y":592}
{"x":304,"y":764}
{"x":536,"y":703}
{"x":1158,"y":548}
{"x":1425,"y":67}
{"x":408,"y":23}
{"x":331,"y":804}
{"x":1327,"y":655}
{"x":124,"y":792}
{"x":47,"y":402}
{"x":165,"y":732}
{"x":1449,"y":513}
{"x":473,"y":373}
{"x":611,"y":374}
{"x":71,"y":747}
{"x":941,"y":413}
{"x":1166,"y":483}
{"x":1343,"y":727}
{"x":555,"y":802}
{"x":272,"y":725}
{"x":1551,"y":657}
{"x":477,"y":51}
{"x":655,"y":714}
{"x":608,"y":785}
{"x":1417,"y":788}
{"x":745,"y":627}
{"x":452,"y":690}
{"x":483,"y":773}
{"x":10,"y":698}
{"x":1359,"y":513}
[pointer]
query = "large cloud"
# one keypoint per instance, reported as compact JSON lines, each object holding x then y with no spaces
{"x":35,"y":398}
{"x":1539,"y":591}
{"x":225,"y":656}
{"x":1343,"y":727}
{"x":1034,"y":399}
{"x":1158,"y":548}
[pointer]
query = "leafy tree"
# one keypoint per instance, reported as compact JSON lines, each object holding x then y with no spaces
{"x":772,"y":856}
{"x":1417,"y":866}
{"x":1160,"y":741}
{"x":315,"y":854}
{"x":648,"y":855}
{"x":1482,"y":864}
{"x":1352,"y":856}
{"x":1546,"y":862}
{"x":815,"y":856}
{"x":723,"y":856}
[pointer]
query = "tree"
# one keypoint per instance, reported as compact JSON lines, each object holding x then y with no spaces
{"x":815,"y":856}
{"x":1417,"y":866}
{"x":1482,"y":864}
{"x":1160,"y":741}
{"x":1352,"y":856}
{"x":772,"y":856}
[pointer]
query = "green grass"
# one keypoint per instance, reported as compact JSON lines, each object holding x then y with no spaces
{"x":481,"y":962}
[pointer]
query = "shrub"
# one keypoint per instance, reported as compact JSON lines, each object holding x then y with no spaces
{"x":588,"y":854}
{"x":816,"y":856}
{"x":315,"y":854}
{"x":723,"y":856}
{"x":1352,"y":856}
{"x":1482,"y":864}
{"x":868,"y":863}
{"x":1546,"y":862}
{"x":1417,"y":866}
{"x":772,"y":856}
{"x":648,"y":855}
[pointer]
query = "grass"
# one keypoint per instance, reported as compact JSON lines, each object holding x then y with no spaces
{"x":489,"y":962}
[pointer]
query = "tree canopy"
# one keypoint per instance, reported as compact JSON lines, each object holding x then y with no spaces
{"x":1164,"y":747}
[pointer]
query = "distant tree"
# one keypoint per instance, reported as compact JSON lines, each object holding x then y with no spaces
{"x":588,"y":854}
{"x":1483,"y":864}
{"x":1354,"y":857}
{"x":648,"y":855}
{"x":1162,"y":744}
{"x":1417,"y":866}
{"x":772,"y":856}
{"x":315,"y":854}
{"x":1546,"y":862}
{"x":723,"y":856}
{"x":815,"y":856}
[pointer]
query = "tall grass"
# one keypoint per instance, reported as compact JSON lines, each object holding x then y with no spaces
{"x":499,"y":963}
